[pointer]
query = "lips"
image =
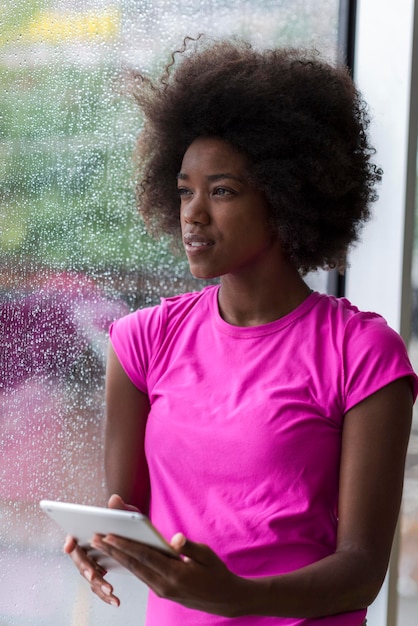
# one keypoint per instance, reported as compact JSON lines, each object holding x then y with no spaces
{"x":196,"y":243}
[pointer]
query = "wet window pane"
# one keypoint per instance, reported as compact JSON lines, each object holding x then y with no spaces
{"x":74,"y":255}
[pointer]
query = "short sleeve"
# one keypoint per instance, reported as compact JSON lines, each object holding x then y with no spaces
{"x":135,"y":339}
{"x":374,"y":355}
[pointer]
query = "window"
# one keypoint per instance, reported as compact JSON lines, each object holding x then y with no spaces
{"x":74,"y":255}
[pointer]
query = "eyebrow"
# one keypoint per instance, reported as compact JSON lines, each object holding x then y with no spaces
{"x":214,"y":177}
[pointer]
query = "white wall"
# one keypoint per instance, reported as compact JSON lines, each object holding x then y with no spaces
{"x":383,"y":69}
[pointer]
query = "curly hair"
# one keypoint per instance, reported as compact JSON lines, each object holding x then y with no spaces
{"x":299,"y":119}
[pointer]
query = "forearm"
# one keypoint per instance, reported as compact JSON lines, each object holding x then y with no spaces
{"x":371,"y":479}
{"x":339,"y":583}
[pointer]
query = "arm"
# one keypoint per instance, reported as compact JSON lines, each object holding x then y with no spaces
{"x":127,"y":410}
{"x":375,"y":438}
{"x":125,"y":464}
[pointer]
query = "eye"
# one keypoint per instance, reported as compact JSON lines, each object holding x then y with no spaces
{"x":183,"y":191}
{"x":223,"y":191}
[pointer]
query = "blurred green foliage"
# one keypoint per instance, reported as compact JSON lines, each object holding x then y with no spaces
{"x":66,"y":169}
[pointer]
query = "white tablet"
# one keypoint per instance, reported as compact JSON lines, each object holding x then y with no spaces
{"x":82,"y":522}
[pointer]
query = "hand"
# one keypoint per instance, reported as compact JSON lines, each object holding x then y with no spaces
{"x":198,"y":580}
{"x":87,"y":565}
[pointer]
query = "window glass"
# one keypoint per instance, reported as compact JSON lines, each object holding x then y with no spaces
{"x":74,"y":255}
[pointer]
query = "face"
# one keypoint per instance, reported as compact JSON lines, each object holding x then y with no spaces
{"x":224,"y":217}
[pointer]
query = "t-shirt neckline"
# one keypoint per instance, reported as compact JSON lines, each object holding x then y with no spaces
{"x":264,"y":329}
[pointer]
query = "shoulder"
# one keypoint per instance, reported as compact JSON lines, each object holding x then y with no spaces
{"x":369,"y":353}
{"x":339,"y":308}
{"x":156,"y":319}
{"x":373,"y":354}
{"x":364,"y":328}
{"x":343,"y":316}
{"x":182,"y":305}
{"x":137,"y":338}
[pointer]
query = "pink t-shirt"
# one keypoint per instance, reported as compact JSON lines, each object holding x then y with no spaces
{"x":244,"y":434}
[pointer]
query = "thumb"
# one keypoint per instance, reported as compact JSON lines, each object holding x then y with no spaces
{"x":191,"y":551}
{"x":116,"y":502}
{"x":70,"y":544}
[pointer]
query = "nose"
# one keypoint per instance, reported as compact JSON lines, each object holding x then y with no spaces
{"x":194,"y":210}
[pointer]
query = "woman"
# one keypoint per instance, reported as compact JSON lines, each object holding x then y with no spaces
{"x":263,"y":426}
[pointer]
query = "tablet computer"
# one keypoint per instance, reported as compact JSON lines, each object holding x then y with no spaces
{"x":83,"y":521}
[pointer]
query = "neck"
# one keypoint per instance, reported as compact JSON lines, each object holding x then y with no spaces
{"x":253,"y":301}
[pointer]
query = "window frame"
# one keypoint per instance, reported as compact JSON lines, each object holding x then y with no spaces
{"x":385,"y":62}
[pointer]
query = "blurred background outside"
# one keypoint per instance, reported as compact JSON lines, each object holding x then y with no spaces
{"x":74,"y":256}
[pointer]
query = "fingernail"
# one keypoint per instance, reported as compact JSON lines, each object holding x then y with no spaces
{"x":114,"y":602}
{"x":106,"y":590}
{"x":179,"y":539}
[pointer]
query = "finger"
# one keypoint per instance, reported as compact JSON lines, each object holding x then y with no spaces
{"x":116,"y":502}
{"x":87,"y":565}
{"x":91,"y":557}
{"x":177,"y":542}
{"x":101,"y":570}
{"x":69,"y":545}
{"x":103,"y":589}
{"x":96,"y":557}
{"x":91,"y":570}
{"x":94,"y":573}
{"x":84,"y":563}
{"x":198,"y":552}
{"x":148,"y":564}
